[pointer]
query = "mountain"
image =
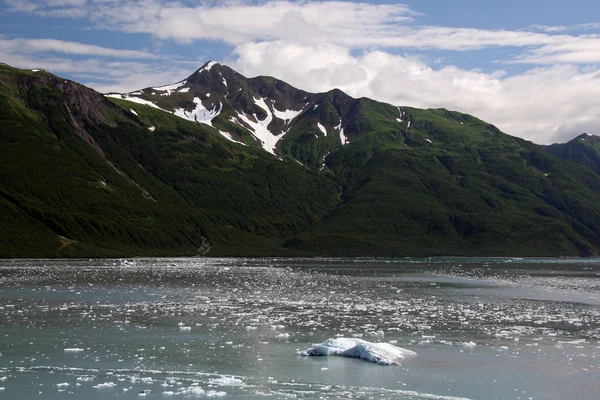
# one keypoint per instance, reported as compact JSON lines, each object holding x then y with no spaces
{"x":267,"y":113}
{"x":223,"y":165}
{"x":584,"y":149}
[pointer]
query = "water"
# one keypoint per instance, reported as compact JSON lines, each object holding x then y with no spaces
{"x":187,"y":328}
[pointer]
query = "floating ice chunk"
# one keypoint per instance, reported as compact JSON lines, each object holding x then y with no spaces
{"x":380,"y":353}
{"x":185,"y":328}
{"x":104,"y":385}
{"x":64,"y":384}
{"x":322,"y":128}
{"x":469,"y":345}
{"x":73,"y":350}
{"x":226,"y":381}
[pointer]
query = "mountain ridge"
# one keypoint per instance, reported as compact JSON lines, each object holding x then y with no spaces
{"x":89,"y":175}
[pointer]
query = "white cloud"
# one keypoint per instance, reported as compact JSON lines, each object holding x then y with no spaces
{"x":105,"y":75}
{"x":314,"y":46}
{"x":564,"y":28}
{"x":357,"y":25}
{"x":543,"y":104}
{"x":19,"y":45}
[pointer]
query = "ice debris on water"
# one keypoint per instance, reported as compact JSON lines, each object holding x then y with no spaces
{"x":226,"y":381}
{"x":380,"y":353}
{"x":104,"y":385}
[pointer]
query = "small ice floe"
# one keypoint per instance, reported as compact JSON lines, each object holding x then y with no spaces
{"x":144,"y":392}
{"x":104,"y":385}
{"x":380,"y":353}
{"x":64,"y":384}
{"x":73,"y":350}
{"x":226,"y":381}
{"x":469,"y":345}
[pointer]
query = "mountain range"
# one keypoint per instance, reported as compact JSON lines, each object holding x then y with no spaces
{"x":222,"y":165}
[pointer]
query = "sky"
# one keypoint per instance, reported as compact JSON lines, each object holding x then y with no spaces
{"x":530,"y":67}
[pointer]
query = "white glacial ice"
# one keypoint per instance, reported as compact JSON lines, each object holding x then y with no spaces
{"x":380,"y":353}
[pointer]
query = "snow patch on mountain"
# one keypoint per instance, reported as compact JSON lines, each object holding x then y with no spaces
{"x":200,"y":113}
{"x":134,"y":100}
{"x":228,"y":136}
{"x":211,"y":64}
{"x":260,"y":127}
{"x":170,"y":88}
{"x":287,"y":115}
{"x":340,"y":130}
{"x":321,"y":128}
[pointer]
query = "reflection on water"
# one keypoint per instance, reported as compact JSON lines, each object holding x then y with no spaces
{"x":481,"y":328}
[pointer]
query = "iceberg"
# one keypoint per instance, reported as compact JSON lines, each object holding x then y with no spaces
{"x":380,"y":353}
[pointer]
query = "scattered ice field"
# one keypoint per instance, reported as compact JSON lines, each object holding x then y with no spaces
{"x":236,"y":328}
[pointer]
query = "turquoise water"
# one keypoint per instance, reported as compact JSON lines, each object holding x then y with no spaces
{"x":190,"y":328}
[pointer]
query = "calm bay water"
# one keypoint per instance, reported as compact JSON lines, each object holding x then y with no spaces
{"x":187,"y":328}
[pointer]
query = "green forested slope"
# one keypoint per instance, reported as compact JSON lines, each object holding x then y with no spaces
{"x":84,"y":176}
